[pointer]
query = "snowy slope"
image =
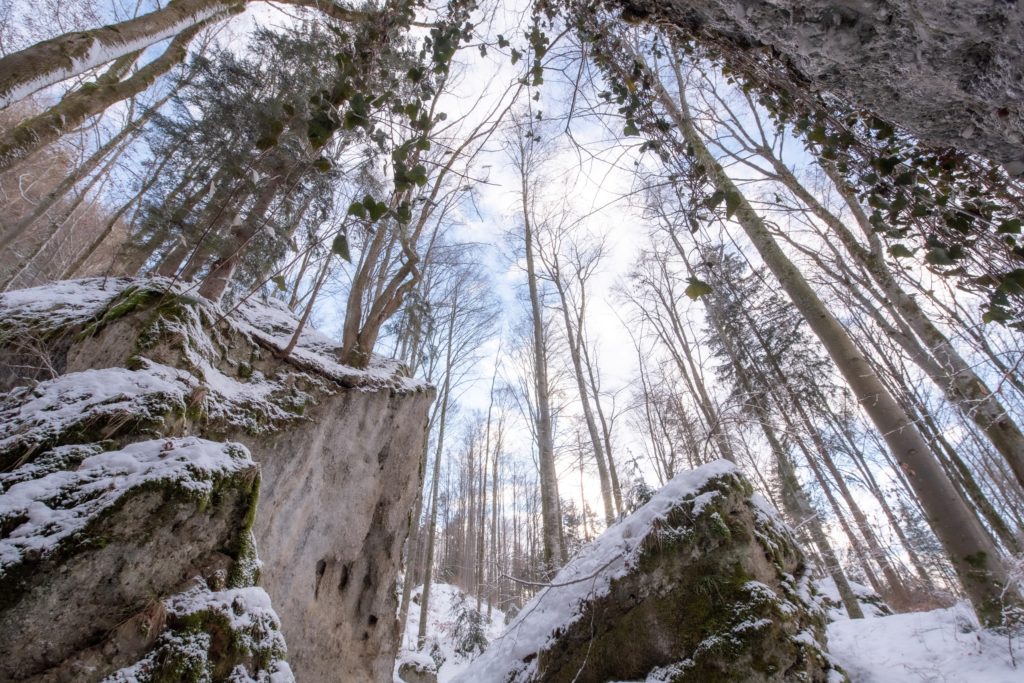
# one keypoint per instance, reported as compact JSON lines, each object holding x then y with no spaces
{"x":925,"y":647}
{"x":444,"y":599}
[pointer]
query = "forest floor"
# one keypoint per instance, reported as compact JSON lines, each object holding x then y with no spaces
{"x":940,"y":646}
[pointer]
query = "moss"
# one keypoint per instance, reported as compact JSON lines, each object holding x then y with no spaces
{"x":134,"y":298}
{"x":245,"y":570}
{"x":245,"y":370}
{"x":17,"y":579}
{"x":978,"y":560}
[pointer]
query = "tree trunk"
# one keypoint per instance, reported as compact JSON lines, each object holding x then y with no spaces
{"x":428,"y":560}
{"x":91,"y":99}
{"x":950,"y":372}
{"x":52,"y":61}
{"x":574,"y":337}
{"x":976,"y":559}
{"x":551,"y":514}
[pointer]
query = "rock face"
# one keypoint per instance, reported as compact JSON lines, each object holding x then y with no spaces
{"x":950,"y":71}
{"x":702,"y":584}
{"x":78,"y":568}
{"x":335,"y":512}
{"x":108,"y":373}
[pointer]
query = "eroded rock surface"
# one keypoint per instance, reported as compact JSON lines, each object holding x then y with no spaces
{"x":702,"y":584}
{"x":950,"y":71}
{"x":104,"y":366}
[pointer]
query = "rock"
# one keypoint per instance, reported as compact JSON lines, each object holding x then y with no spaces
{"x":224,"y":635}
{"x":950,"y":71}
{"x":86,"y":553}
{"x":418,"y":671}
{"x":701,"y":584}
{"x":339,"y":448}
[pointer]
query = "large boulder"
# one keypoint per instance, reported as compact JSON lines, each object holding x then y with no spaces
{"x":97,"y":365}
{"x":91,"y":540}
{"x":702,"y":584}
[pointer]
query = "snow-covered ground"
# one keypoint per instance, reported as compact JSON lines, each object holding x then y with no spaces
{"x":445,"y":600}
{"x":943,"y":645}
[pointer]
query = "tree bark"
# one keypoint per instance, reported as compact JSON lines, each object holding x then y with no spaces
{"x":52,"y":61}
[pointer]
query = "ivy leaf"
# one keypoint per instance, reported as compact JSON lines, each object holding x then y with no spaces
{"x":357,"y":209}
{"x":516,"y":55}
{"x":1010,"y":226}
{"x":404,"y":213}
{"x":279,"y":280}
{"x":502,"y":41}
{"x":340,"y":247}
{"x":374,"y":209}
{"x":696,"y":288}
{"x":630,"y":129}
{"x":900,"y":251}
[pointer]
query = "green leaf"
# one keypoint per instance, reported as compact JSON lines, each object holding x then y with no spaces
{"x":1011,"y":226}
{"x":900,"y":251}
{"x":696,"y":288}
{"x":340,"y":247}
{"x":374,"y":209}
{"x":516,"y":55}
{"x":279,"y":280}
{"x":630,"y":129}
{"x":404,"y":212}
{"x":357,"y":209}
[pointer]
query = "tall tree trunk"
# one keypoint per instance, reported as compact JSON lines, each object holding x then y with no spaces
{"x":52,"y":61}
{"x":976,"y":559}
{"x":574,"y":337}
{"x":76,"y":107}
{"x":551,"y":513}
{"x":950,"y":372}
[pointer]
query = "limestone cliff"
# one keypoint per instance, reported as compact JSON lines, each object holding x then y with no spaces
{"x":950,"y":71}
{"x":702,"y":584}
{"x":135,"y":387}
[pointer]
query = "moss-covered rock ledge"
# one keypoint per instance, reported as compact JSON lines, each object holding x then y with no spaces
{"x":701,"y":585}
{"x":90,"y":540}
{"x":95,"y":370}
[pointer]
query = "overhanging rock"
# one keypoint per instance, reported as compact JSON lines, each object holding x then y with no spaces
{"x":701,"y":584}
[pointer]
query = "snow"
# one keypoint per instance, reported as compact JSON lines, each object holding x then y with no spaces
{"x":248,"y":610}
{"x":925,"y":647}
{"x":444,"y":598}
{"x":63,"y":303}
{"x":254,"y":624}
{"x":870,"y":602}
{"x":43,"y":512}
{"x":587,"y":576}
{"x":273,"y":323}
{"x":31,"y":416}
